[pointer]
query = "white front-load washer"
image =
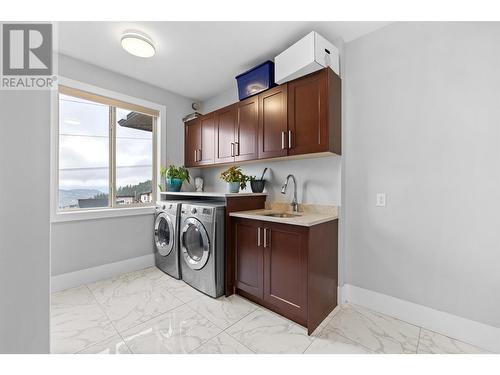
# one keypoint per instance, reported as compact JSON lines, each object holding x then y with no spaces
{"x":166,"y":237}
{"x":201,"y":243}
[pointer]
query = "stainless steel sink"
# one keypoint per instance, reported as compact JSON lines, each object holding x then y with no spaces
{"x":283,"y":215}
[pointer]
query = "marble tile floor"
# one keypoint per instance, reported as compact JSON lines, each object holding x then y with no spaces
{"x":149,"y":312}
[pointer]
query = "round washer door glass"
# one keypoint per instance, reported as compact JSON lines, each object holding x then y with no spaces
{"x":164,"y":234}
{"x":195,"y":244}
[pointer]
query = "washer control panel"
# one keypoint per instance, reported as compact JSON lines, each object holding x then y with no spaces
{"x":197,"y":211}
{"x":169,"y":207}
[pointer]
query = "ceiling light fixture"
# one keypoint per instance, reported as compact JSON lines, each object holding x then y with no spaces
{"x":138,"y":44}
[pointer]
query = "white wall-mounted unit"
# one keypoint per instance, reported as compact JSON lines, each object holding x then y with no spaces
{"x":311,"y":53}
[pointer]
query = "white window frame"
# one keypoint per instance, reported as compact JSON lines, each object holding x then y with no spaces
{"x":99,"y":213}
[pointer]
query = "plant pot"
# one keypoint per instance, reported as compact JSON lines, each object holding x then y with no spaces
{"x":234,"y":187}
{"x":174,"y":184}
{"x":257,"y":186}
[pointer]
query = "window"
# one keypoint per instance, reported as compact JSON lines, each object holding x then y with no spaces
{"x":107,"y":152}
{"x":134,"y":162}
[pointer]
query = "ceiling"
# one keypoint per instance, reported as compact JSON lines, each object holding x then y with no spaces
{"x":195,"y":59}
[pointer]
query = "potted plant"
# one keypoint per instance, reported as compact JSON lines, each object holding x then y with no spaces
{"x":174,"y":177}
{"x":235,"y":179}
{"x":258,"y":185}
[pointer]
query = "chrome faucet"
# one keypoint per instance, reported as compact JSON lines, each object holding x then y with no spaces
{"x":294,"y":204}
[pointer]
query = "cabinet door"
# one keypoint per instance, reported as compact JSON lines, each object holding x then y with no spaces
{"x":192,"y":132}
{"x":307,"y":114}
{"x":248,"y":257}
{"x":246,"y":130}
{"x":285,"y":270}
{"x":225,"y":120}
{"x":206,"y":152}
{"x":273,"y":122}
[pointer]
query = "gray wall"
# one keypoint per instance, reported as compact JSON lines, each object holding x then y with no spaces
{"x":77,"y":245}
{"x":318,"y":179}
{"x":24,"y":221}
{"x":423,"y":125}
{"x":82,"y":244}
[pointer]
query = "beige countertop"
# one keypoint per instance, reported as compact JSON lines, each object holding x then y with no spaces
{"x":310,"y":215}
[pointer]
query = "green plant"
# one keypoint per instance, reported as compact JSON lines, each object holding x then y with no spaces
{"x":163,"y":171}
{"x":173,"y":172}
{"x":234,"y":174}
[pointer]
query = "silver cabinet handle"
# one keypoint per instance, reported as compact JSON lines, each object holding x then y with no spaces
{"x":237,"y":145}
{"x":232,"y":149}
{"x":199,"y":154}
{"x":282,"y":140}
{"x":289,"y":139}
{"x":258,"y":237}
{"x":265,"y":237}
{"x":195,"y":155}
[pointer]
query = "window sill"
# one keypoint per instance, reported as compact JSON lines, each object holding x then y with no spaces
{"x":101,"y":213}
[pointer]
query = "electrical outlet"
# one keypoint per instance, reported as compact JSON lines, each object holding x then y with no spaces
{"x":380,"y":200}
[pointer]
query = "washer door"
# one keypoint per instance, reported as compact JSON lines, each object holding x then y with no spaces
{"x":164,"y":234}
{"x":195,"y":244}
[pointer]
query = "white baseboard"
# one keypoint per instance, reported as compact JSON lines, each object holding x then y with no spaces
{"x":105,"y":271}
{"x":469,"y":331}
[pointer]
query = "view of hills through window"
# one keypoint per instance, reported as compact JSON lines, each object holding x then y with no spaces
{"x":85,"y":159}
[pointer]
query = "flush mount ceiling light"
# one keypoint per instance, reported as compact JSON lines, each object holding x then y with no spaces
{"x":138,"y":44}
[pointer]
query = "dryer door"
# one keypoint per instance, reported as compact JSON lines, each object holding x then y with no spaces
{"x":164,"y":234}
{"x":195,"y":243}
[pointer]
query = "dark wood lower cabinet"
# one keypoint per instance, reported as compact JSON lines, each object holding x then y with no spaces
{"x":249,"y":258}
{"x":234,"y":204}
{"x":289,"y":269}
{"x":285,"y":270}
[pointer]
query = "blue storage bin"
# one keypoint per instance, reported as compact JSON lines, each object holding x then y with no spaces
{"x":255,"y":80}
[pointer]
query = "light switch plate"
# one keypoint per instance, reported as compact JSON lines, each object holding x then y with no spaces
{"x":380,"y":200}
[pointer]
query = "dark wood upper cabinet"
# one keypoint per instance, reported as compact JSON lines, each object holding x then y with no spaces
{"x":206,"y":152}
{"x":308,"y":114}
{"x":249,"y":258}
{"x":199,"y":141}
{"x":225,"y":121}
{"x":334,"y":112}
{"x":300,"y":117}
{"x":246,"y":129}
{"x":236,"y":128}
{"x":273,"y":122}
{"x":192,"y":144}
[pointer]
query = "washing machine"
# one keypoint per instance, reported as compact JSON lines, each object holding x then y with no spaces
{"x":166,"y":237}
{"x":201,"y":240}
